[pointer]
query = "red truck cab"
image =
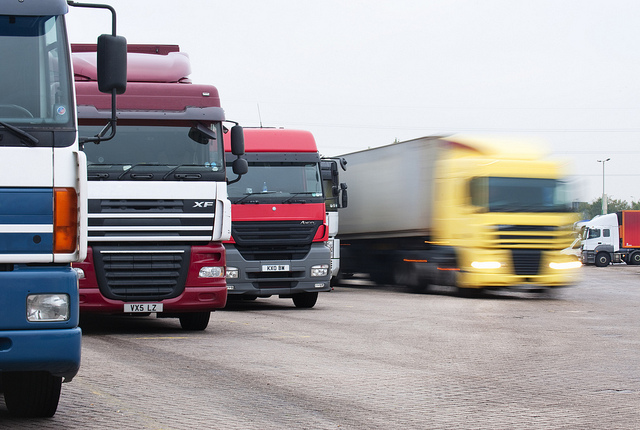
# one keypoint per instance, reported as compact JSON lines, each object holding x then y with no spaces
{"x":279,"y":236}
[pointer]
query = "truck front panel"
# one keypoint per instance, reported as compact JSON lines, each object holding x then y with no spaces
{"x":276,"y":258}
{"x":169,"y":274}
{"x":517,"y":267}
{"x":152,"y":249}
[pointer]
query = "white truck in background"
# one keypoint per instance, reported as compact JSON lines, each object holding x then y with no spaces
{"x":335,"y":197}
{"x":612,"y":238}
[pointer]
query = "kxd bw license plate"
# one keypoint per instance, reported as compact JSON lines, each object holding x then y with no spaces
{"x":142,"y":307}
{"x":275,"y":267}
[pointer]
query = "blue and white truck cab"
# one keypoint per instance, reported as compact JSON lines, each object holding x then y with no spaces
{"x":43,"y":226}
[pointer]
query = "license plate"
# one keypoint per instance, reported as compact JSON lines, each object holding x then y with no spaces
{"x":142,"y":307}
{"x":275,"y":267}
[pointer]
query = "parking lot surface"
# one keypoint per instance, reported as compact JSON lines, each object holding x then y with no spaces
{"x":371,"y":357}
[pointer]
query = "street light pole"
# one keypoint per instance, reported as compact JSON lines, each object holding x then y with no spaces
{"x":604,"y":196}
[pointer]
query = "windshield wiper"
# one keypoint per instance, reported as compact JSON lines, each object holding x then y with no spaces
{"x":288,"y":199}
{"x":130,"y":169}
{"x":166,"y":175}
{"x":30,"y":140}
{"x":252,"y":194}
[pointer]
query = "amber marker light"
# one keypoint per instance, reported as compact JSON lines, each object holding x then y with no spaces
{"x":65,"y":220}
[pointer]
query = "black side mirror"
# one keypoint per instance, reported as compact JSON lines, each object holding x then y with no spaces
{"x":345,"y":198}
{"x":334,"y":171}
{"x":237,"y":141}
{"x":240,"y":166}
{"x":112,"y":63}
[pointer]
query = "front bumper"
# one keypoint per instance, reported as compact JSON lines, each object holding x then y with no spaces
{"x":536,"y":272}
{"x":253,"y":281}
{"x":51,"y":346}
{"x":191,"y":300}
{"x":54,"y":351}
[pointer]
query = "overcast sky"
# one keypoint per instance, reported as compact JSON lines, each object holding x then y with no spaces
{"x":361,"y":74}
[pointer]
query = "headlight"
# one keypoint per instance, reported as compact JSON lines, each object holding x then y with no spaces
{"x":567,"y":265}
{"x":211,"y":272}
{"x":232,"y":272}
{"x":486,"y":265}
{"x":320,"y":270}
{"x":47,"y":307}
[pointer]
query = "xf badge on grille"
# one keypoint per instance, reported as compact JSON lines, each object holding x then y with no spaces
{"x":202,"y":204}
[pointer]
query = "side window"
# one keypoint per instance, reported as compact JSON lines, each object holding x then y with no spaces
{"x":594,"y":233}
{"x":605,"y":232}
{"x":479,"y":191}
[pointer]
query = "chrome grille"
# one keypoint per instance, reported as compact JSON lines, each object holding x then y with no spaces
{"x":149,"y":220}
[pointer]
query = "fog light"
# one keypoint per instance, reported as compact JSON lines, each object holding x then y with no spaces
{"x":320,"y":270}
{"x":567,"y":265}
{"x":486,"y":265}
{"x":232,"y":272}
{"x":211,"y":272}
{"x":47,"y":307}
{"x":230,"y":287}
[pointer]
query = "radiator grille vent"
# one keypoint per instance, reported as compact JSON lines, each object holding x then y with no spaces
{"x":141,"y":274}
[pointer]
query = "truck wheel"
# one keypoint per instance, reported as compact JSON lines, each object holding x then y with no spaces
{"x":470,"y":293}
{"x":195,"y":321}
{"x":634,"y":258}
{"x":305,"y":300}
{"x":335,"y":280}
{"x":602,"y":259}
{"x":31,"y":394}
{"x":406,"y":275}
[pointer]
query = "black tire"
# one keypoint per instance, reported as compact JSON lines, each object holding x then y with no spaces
{"x":31,"y":394}
{"x":335,"y":280}
{"x":470,"y":293}
{"x":195,"y":321}
{"x":305,"y":300}
{"x":406,"y":274}
{"x":634,"y":258}
{"x":602,"y":259}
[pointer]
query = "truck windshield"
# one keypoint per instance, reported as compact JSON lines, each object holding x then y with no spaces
{"x":592,"y":233}
{"x":155,"y":152}
{"x":279,"y":182}
{"x":506,"y":194}
{"x":35,"y":83}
